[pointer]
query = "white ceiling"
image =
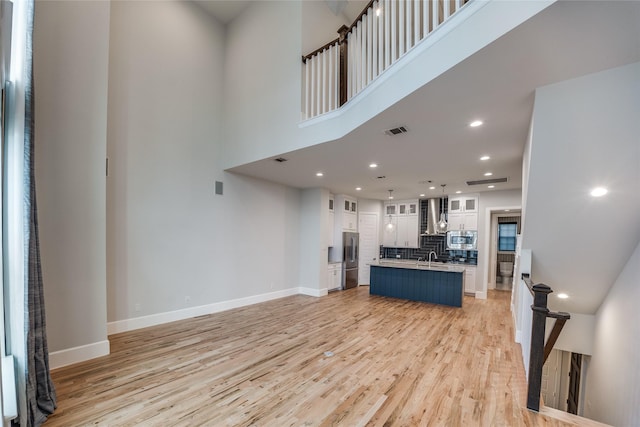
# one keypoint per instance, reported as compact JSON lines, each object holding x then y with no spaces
{"x":496,"y":85}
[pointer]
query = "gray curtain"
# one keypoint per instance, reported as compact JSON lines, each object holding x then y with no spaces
{"x":40,"y":393}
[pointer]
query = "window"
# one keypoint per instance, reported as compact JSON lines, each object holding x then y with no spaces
{"x":507,"y":232}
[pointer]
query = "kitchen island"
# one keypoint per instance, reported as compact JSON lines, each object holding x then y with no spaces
{"x":418,"y":281}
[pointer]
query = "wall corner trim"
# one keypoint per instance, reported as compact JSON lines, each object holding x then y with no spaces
{"x":313,"y":292}
{"x":69,"y":356}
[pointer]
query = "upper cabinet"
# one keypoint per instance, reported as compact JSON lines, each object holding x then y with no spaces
{"x":463,"y":213}
{"x":408,"y":208}
{"x":405,"y":219}
{"x":346,"y":214}
{"x":460,"y":204}
{"x":391,"y":209}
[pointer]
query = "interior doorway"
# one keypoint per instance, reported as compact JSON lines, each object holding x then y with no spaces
{"x":504,"y":232}
{"x":369,"y":248}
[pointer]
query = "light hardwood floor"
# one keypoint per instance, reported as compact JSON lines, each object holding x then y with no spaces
{"x":394,"y":363}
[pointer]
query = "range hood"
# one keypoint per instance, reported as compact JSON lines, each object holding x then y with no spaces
{"x":433,"y":211}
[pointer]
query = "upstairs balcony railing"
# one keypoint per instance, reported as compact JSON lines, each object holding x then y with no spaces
{"x":382,"y":34}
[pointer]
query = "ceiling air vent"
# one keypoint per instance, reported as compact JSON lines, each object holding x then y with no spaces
{"x":280,"y":160}
{"x":396,"y":131}
{"x":487,"y":181}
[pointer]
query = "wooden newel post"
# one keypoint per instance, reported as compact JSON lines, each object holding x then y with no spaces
{"x":536,"y":355}
{"x":342,"y":76}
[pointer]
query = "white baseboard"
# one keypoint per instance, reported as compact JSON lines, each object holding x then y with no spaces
{"x":313,"y":292}
{"x":518,"y":336}
{"x":481,"y":295}
{"x":70,"y":356}
{"x":518,"y":333}
{"x":58,"y":359}
{"x":188,"y":313}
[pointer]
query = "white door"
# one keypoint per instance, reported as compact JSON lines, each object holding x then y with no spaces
{"x":369,"y":248}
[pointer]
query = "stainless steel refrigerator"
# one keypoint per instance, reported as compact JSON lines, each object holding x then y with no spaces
{"x":349,"y":260}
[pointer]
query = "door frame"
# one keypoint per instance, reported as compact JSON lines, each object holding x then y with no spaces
{"x":485,"y":235}
{"x":361,"y":265}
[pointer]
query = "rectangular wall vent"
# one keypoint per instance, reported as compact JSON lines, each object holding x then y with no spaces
{"x":396,"y":131}
{"x":487,"y":181}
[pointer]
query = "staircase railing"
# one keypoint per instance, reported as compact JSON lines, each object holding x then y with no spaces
{"x":539,"y":351}
{"x":382,"y":34}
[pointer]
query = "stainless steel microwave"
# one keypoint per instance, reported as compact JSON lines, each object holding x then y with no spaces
{"x":462,"y":240}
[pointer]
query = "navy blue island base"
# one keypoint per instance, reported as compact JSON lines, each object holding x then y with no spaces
{"x":434,"y":286}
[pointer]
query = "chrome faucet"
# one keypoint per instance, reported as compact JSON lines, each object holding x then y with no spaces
{"x":435,"y":256}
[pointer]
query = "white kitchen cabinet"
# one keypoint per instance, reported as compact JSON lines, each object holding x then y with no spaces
{"x":391,"y":209}
{"x":463,"y":204}
{"x":389,"y":235}
{"x":334,"y":280}
{"x":462,"y":221}
{"x":408,"y":208}
{"x":346,"y":214}
{"x":405,"y":232}
{"x":470,"y":279}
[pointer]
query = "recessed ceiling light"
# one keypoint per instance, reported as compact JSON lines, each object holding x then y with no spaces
{"x":458,"y":192}
{"x":373,"y":165}
{"x":599,"y":192}
{"x":491,"y":186}
{"x":432,"y":188}
{"x":475,"y":123}
{"x":563,"y":296}
{"x":507,"y":210}
{"x":488,"y":173}
{"x":422,"y":195}
{"x":358,"y":188}
{"x":483,"y":158}
{"x":319,"y":174}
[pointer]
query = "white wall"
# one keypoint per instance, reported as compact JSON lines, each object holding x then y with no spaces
{"x":489,"y":200}
{"x":173,"y":244}
{"x":319,"y":25}
{"x":576,"y":335}
{"x":71,"y":50}
{"x":613,"y":379}
{"x":263,"y":81}
{"x":585,"y":134}
{"x":314,"y":222}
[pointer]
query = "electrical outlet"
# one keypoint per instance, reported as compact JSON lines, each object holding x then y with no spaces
{"x":137,"y":307}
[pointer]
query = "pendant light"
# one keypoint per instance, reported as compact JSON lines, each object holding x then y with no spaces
{"x":442,"y":224}
{"x":390,"y":225}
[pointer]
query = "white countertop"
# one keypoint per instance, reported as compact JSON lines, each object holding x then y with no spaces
{"x":415,"y":265}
